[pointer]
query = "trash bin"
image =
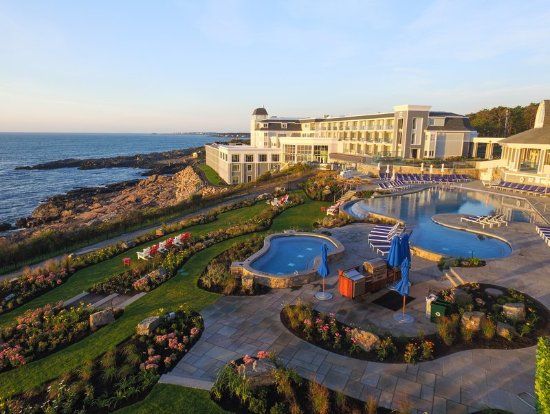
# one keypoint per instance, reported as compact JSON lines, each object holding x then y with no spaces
{"x":429,"y":299}
{"x":439,"y":308}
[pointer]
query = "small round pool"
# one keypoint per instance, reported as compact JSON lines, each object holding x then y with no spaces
{"x":288,"y":254}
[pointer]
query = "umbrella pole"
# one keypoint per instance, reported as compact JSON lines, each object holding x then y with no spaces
{"x":404,"y":301}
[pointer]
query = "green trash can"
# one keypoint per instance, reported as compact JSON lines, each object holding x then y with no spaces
{"x":439,"y":308}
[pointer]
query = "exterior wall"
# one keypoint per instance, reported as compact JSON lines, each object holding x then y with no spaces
{"x":449,"y":144}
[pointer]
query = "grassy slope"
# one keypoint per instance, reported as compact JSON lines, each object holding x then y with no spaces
{"x":86,"y":277}
{"x":165,"y":398}
{"x":178,"y":290}
{"x":211,"y":175}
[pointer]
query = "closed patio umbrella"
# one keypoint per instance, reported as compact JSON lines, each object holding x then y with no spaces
{"x":405,"y":247}
{"x":402,"y":287}
{"x":395,"y":255}
{"x":323,"y":271}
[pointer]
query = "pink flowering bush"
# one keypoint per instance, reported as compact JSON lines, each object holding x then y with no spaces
{"x":97,"y":387}
{"x":41,"y":331}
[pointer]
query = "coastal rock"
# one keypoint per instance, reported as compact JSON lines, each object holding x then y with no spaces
{"x":514,"y":311}
{"x":259,"y":373}
{"x":494,"y":292}
{"x":472,"y":320}
{"x":506,"y":331}
{"x":101,"y":318}
{"x":148,"y":325}
{"x":5,"y":226}
{"x":366,"y":340}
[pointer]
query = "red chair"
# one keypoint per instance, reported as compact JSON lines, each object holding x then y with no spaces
{"x":154,"y":249}
{"x":169,"y":242}
{"x":126,"y":261}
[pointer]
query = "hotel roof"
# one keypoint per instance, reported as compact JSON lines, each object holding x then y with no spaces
{"x":540,"y":134}
{"x":453,"y":123}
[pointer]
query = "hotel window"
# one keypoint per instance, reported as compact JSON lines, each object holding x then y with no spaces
{"x":235,"y":158}
{"x":249,"y":158}
{"x":303,"y":153}
{"x":400,"y":123}
{"x":235,"y":167}
{"x":320,"y":153}
{"x":290,"y":153}
{"x":265,"y":125}
{"x":262,"y":158}
{"x":235,"y":180}
{"x":249,"y":167}
{"x":414,"y":123}
{"x":283,"y":125}
{"x":413,"y":139}
{"x":275,"y":157}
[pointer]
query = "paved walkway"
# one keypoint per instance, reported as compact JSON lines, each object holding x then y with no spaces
{"x":458,"y":383}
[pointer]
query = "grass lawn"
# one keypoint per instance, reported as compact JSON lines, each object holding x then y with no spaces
{"x":166,"y":398}
{"x":211,"y":175}
{"x":86,"y":277}
{"x":179,"y":290}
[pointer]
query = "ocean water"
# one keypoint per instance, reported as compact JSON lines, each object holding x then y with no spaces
{"x":22,"y":190}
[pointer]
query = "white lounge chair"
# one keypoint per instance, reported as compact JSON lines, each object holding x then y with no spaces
{"x":177,"y":240}
{"x":162,"y":247}
{"x":144,"y":254}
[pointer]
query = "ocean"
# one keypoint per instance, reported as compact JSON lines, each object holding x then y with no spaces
{"x":22,"y":190}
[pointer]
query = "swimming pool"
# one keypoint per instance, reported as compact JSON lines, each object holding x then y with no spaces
{"x":417,"y":209}
{"x":288,"y":254}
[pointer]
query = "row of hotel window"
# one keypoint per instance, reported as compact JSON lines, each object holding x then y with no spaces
{"x":249,"y":157}
{"x":373,"y":124}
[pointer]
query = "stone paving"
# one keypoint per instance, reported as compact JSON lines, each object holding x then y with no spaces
{"x":459,"y":383}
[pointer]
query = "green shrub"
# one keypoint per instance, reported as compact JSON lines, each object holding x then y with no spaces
{"x":319,"y":397}
{"x":386,"y":349}
{"x":412,"y":353}
{"x":447,"y":328}
{"x":542,"y":375}
{"x":488,"y":328}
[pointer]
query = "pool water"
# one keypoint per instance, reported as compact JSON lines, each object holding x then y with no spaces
{"x":290,"y":254}
{"x":417,"y":209}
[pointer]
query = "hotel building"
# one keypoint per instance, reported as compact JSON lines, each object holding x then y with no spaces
{"x":410,"y":131}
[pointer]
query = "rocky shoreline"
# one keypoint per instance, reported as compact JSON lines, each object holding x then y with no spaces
{"x":167,"y":162}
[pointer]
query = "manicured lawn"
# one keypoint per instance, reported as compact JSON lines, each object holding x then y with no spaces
{"x":181,"y":289}
{"x":166,"y":398}
{"x":86,"y":277}
{"x":211,"y":175}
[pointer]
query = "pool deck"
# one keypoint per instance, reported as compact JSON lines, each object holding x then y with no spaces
{"x":459,"y":383}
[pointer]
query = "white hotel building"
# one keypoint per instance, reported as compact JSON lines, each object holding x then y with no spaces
{"x":410,"y":131}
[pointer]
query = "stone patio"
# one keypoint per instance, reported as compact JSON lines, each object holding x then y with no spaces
{"x":459,"y":383}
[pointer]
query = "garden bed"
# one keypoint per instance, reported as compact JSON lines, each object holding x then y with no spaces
{"x":261,"y":384}
{"x":119,"y":377}
{"x":217,"y":276}
{"x":147,"y":275}
{"x":43,"y":331}
{"x":476,"y":320}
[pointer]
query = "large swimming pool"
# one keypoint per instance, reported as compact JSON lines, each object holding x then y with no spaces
{"x":417,"y":209}
{"x":290,"y":253}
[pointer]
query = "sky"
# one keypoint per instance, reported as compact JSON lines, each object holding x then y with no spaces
{"x":176,"y":65}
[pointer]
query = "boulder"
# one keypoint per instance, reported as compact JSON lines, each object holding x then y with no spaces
{"x":505,"y":330}
{"x":494,"y":292}
{"x":247,"y":282}
{"x":101,"y":318}
{"x":472,"y":320}
{"x":259,"y":373}
{"x":514,"y":311}
{"x":366,"y":340}
{"x":148,"y":325}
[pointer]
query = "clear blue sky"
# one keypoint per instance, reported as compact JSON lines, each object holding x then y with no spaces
{"x":179,"y":65}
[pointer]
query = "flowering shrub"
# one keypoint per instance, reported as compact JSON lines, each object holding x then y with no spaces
{"x":41,"y":331}
{"x":217,"y":276}
{"x":169,"y":264}
{"x":33,"y":283}
{"x":120,"y":376}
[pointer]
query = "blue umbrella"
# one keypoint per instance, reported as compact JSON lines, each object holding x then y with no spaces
{"x":323,"y":271}
{"x":402,"y":287}
{"x":395,"y":256}
{"x":405,"y":247}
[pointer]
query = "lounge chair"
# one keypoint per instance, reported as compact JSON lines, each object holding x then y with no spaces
{"x":162,"y":247}
{"x":145,"y":254}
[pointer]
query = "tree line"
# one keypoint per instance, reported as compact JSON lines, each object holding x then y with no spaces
{"x":503,"y":121}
